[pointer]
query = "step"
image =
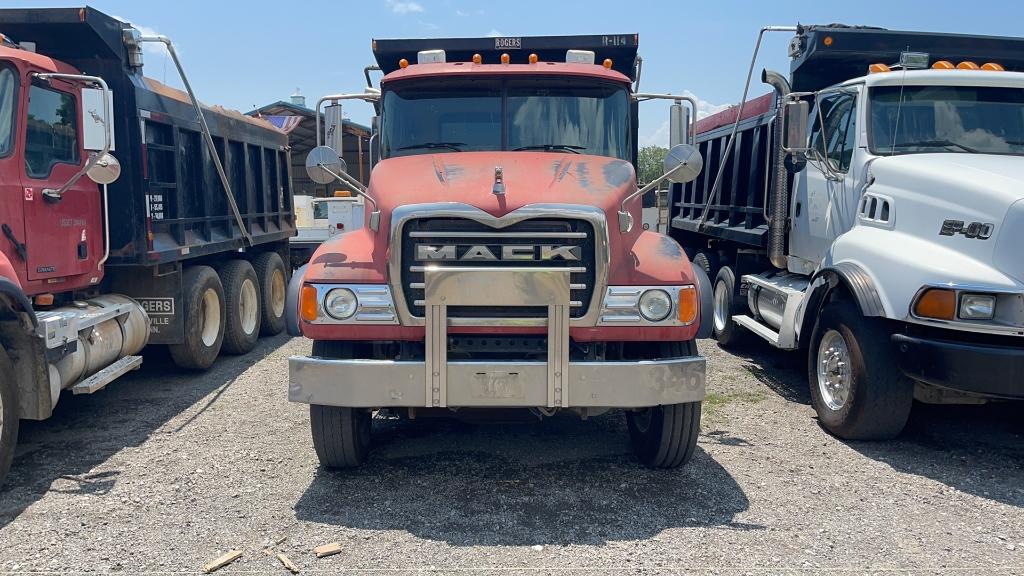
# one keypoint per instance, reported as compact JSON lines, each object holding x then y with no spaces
{"x":100,"y":379}
{"x":757,"y":328}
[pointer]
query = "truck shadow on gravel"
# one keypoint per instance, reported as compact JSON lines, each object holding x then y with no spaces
{"x":560,"y":481}
{"x":978,"y":450}
{"x":85,"y":431}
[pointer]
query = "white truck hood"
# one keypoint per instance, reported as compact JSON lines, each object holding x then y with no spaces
{"x":930,"y":189}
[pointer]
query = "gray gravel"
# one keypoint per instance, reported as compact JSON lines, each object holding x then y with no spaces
{"x":165,"y":471}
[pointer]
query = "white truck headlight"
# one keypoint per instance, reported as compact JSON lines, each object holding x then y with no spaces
{"x":655,"y":305}
{"x":340,"y":303}
{"x":977,"y":306}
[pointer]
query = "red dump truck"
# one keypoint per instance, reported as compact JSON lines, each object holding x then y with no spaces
{"x":181,"y":242}
{"x":502,"y":263}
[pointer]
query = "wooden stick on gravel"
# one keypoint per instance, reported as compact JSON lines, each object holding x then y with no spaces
{"x":288,"y":563}
{"x":222,"y":561}
{"x":327,"y":549}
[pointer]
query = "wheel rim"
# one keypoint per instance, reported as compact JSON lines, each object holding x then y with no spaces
{"x":277,"y":293}
{"x":248,"y":306}
{"x":209,"y":316}
{"x":834,"y":377}
{"x":721,"y":315}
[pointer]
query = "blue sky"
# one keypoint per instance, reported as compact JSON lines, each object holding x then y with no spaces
{"x":249,"y":54}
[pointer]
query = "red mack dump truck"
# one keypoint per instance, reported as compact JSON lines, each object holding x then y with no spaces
{"x":185,"y":248}
{"x":502,"y":263}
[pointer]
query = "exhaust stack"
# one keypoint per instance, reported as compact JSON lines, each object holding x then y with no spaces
{"x":780,"y":189}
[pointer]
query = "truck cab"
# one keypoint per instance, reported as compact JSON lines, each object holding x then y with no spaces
{"x":892,"y":201}
{"x":502,"y":263}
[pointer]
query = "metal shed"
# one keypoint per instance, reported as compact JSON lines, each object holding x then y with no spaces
{"x":298,"y":122}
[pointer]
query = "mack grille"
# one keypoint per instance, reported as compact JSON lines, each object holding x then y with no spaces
{"x":541,"y":243}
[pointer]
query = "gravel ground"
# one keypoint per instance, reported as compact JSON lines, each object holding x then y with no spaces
{"x":165,"y":471}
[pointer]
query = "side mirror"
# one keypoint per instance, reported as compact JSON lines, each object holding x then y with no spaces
{"x":795,"y":116}
{"x":678,"y":124}
{"x":323,"y":165}
{"x":683,"y":163}
{"x":106,"y":170}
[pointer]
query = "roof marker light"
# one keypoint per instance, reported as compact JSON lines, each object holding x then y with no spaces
{"x":607,"y":63}
{"x":533,"y":58}
{"x":505,"y":59}
{"x":943,"y":65}
{"x":967,"y":65}
{"x":993,"y":67}
{"x":878,"y":67}
{"x":403,"y":63}
{"x":477,"y":59}
{"x":827,"y":41}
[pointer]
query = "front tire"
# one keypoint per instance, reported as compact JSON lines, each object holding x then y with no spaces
{"x":205,"y":313}
{"x":666,"y":436}
{"x":856,"y":389}
{"x":341,"y":435}
{"x":9,"y":420}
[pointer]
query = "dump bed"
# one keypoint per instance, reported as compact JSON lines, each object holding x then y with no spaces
{"x":620,"y":48}
{"x":739,"y":213}
{"x":169,"y":203}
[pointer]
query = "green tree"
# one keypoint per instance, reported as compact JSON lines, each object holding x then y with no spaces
{"x":651,"y":162}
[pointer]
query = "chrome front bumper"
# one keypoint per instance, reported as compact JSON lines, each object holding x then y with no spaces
{"x":383,"y":383}
{"x":436,"y":382}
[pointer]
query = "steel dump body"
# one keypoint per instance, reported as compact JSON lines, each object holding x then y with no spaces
{"x":169,"y":204}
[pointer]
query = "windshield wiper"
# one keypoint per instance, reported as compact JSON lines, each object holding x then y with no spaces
{"x":563,"y":147}
{"x":946,"y":143}
{"x":432,"y":145}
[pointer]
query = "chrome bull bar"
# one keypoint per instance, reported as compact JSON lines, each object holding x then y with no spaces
{"x":493,"y":286}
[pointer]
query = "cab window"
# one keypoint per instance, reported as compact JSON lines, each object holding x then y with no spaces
{"x":836,"y":138}
{"x":51,"y":133}
{"x":7,"y":99}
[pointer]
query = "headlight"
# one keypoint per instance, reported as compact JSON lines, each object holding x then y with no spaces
{"x":340,"y":303}
{"x":655,"y":305}
{"x":977,"y":306}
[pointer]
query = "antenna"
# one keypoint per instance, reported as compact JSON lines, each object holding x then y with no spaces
{"x":899,"y":108}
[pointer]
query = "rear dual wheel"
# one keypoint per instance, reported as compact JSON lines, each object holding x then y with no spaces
{"x":205,"y":316}
{"x":244,"y":309}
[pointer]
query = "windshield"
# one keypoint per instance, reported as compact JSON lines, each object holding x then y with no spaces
{"x":964,"y":119}
{"x":542,"y":114}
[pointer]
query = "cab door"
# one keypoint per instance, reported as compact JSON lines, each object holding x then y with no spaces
{"x":824,"y":206}
{"x":12,"y":221}
{"x":61,"y":235}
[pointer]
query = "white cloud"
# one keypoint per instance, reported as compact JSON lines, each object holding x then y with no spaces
{"x":494,"y":33}
{"x":428,"y":25}
{"x":461,"y":13}
{"x":659,"y":137}
{"x":404,"y":6}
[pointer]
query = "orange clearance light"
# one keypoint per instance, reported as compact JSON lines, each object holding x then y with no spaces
{"x":967,"y":65}
{"x":533,"y":59}
{"x":342,"y":194}
{"x":688,"y":304}
{"x":607,"y":63}
{"x":993,"y":67}
{"x":878,"y":67}
{"x":44,"y":299}
{"x":403,"y":63}
{"x":937,"y":303}
{"x":505,"y":58}
{"x":827,"y":41}
{"x":308,"y":305}
{"x":943,"y":65}
{"x":477,"y":59}
{"x":373,"y":45}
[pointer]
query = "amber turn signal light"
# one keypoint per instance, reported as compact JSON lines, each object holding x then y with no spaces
{"x":308,"y":306}
{"x":938,"y":303}
{"x":688,"y":304}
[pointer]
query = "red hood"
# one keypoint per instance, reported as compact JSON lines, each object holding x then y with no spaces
{"x":529,"y":177}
